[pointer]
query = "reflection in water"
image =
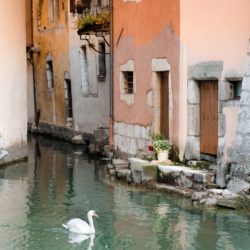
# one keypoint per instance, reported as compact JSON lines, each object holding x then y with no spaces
{"x":79,"y":238}
{"x":60,"y":183}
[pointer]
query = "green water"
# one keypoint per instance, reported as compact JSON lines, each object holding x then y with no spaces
{"x":59,"y":183}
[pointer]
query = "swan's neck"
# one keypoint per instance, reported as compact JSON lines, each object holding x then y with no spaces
{"x":91,"y":224}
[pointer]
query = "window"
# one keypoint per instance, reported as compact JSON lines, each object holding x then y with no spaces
{"x":49,"y":71}
{"x":236,"y":89}
{"x":53,"y":10}
{"x":84,"y":70}
{"x":128,"y":82}
{"x":101,"y":62}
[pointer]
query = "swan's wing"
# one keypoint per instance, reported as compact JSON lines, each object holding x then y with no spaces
{"x":78,"y":226}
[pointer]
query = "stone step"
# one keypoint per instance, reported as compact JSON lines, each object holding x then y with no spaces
{"x":185,"y":177}
{"x":120,"y":164}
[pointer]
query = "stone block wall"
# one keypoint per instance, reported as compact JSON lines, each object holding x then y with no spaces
{"x":130,"y":138}
{"x":240,"y":169}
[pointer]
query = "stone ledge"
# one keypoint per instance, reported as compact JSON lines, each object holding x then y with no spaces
{"x":185,"y":177}
{"x":15,"y":154}
{"x":187,"y":193}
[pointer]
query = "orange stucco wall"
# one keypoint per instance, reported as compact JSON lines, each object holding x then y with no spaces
{"x":143,"y":31}
{"x":51,"y":37}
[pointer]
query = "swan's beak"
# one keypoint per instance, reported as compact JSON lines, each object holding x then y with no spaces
{"x":96,"y":215}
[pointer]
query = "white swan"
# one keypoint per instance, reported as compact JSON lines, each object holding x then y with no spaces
{"x":81,"y":227}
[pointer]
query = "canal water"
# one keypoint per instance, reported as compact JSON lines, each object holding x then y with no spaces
{"x":60,"y":182}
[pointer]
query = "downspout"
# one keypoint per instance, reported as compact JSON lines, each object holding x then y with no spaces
{"x":111,"y":92}
{"x":33,"y":64}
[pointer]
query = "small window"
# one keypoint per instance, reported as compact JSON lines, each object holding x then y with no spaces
{"x":101,"y":62}
{"x":128,"y":82}
{"x":49,"y":71}
{"x":84,"y":70}
{"x":236,"y":87}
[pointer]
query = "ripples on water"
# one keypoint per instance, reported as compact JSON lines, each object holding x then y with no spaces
{"x":59,"y":182}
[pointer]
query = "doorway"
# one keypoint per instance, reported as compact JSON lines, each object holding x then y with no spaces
{"x":164,"y":104}
{"x":209,"y":117}
{"x":68,"y":102}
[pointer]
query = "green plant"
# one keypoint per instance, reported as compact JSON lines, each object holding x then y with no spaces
{"x":100,"y":20}
{"x":157,"y":136}
{"x":161,"y":145}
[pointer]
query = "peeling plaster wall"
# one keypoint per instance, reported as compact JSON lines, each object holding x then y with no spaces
{"x":52,"y":38}
{"x":141,"y":40}
{"x":13,"y":75}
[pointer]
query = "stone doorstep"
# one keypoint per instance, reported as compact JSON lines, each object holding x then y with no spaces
{"x":199,"y":176}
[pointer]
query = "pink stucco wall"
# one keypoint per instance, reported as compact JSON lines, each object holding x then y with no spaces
{"x":216,"y":30}
{"x":143,"y":31}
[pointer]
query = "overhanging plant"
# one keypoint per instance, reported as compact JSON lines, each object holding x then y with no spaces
{"x":93,"y":22}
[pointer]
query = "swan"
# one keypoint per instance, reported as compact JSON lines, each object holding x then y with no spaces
{"x":81,"y":227}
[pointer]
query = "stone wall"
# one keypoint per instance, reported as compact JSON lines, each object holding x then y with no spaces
{"x":240,"y":169}
{"x":130,"y":138}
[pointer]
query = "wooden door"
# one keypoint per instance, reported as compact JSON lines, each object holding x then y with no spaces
{"x":209,"y":117}
{"x":164,"y":102}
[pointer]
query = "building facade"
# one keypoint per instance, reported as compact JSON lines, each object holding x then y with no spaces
{"x":146,"y":72}
{"x":13,"y":73}
{"x":51,"y":62}
{"x":178,"y":72}
{"x":89,"y":55}
{"x":71,"y":87}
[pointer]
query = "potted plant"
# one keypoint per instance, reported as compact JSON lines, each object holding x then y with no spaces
{"x":161,"y":147}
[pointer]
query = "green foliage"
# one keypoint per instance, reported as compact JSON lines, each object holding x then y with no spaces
{"x":100,"y":21}
{"x":157,"y":136}
{"x":159,"y":144}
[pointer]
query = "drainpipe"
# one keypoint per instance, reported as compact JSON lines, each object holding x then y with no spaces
{"x":32,"y":63}
{"x":111,"y":92}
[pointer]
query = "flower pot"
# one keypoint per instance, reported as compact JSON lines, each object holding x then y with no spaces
{"x":162,"y":156}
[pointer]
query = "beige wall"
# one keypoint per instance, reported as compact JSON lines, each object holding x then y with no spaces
{"x":13,"y":74}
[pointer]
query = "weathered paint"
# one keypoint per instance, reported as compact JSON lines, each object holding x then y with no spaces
{"x":13,"y":75}
{"x":144,"y":30}
{"x":52,"y":38}
{"x":231,"y":115}
{"x":91,"y":109}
